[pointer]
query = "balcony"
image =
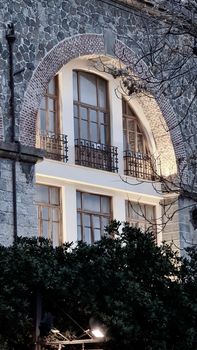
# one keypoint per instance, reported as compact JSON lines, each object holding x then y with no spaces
{"x":55,"y":145}
{"x":141,"y":166}
{"x":96,"y":155}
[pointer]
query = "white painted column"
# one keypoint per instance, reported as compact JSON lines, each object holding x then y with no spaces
{"x":118,"y":203}
{"x":116,"y":122}
{"x":69,"y":213}
{"x":158,"y":213}
{"x":66,"y":87}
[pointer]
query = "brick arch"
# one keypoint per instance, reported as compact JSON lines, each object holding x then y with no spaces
{"x":66,"y":50}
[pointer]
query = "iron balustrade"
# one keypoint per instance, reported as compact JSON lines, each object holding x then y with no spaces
{"x":55,"y":145}
{"x":96,"y":155}
{"x":139,"y":165}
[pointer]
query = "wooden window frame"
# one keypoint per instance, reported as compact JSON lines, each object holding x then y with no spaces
{"x":90,"y":107}
{"x":50,"y":206}
{"x":142,"y":221}
{"x":55,"y":98}
{"x":81,"y":211}
{"x":128,"y":115}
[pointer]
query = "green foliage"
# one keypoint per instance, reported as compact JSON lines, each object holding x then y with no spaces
{"x":144,"y":294}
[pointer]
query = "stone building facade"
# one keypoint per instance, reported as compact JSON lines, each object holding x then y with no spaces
{"x":55,"y":38}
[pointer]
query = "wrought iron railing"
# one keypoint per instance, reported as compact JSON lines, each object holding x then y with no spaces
{"x":55,"y":145}
{"x":139,"y":165}
{"x":96,"y":155}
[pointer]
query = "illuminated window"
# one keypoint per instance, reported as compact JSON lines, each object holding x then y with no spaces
{"x":49,"y":213}
{"x":93,"y":214}
{"x":141,"y":216}
{"x":134,"y":138}
{"x":138,"y":162}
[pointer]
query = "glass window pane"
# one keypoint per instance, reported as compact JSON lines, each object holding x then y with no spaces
{"x":102,"y":93}
{"x":105,"y":205}
{"x":42,"y":117}
{"x":83,"y":113}
{"x":133,"y":210}
{"x":131,"y":125}
{"x":51,"y":121}
{"x":51,"y":104}
{"x":88,"y":89}
{"x":149,"y":212}
{"x":136,"y":211}
{"x":86,"y":220}
{"x":45,"y":229}
{"x":51,"y":87}
{"x":93,"y":132}
{"x":125,"y":143}
{"x":42,"y":195}
{"x":142,"y":213}
{"x":79,"y":233}
{"x":140,"y":143}
{"x":103,"y":134}
{"x":91,"y":202}
{"x":124,"y":124}
{"x":97,"y":234}
{"x":105,"y":222}
{"x":79,"y":219}
{"x":55,"y":233}
{"x":76,"y":126}
{"x":87,"y":235}
{"x":45,"y":214}
{"x":96,"y":222}
{"x":93,"y":115}
{"x":102,"y":118}
{"x":54,"y":196}
{"x":78,"y":200}
{"x":75,"y":88}
{"x":56,"y":214}
{"x":84,"y":129}
{"x":131,"y":140}
{"x":43,"y":103}
{"x":75,"y":111}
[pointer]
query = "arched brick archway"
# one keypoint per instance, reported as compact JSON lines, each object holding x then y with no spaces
{"x":80,"y":45}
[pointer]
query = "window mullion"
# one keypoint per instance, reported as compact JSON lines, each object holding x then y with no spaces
{"x":50,"y":223}
{"x":40,"y":220}
{"x":91,"y":228}
{"x":56,"y":104}
{"x":89,"y":126}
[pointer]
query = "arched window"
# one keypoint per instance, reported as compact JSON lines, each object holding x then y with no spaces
{"x":91,"y":113}
{"x":92,"y":122}
{"x":48,"y":124}
{"x":134,"y":138}
{"x":48,"y":119}
{"x":138,"y":161}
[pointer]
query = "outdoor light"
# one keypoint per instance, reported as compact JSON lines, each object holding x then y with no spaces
{"x":55,"y":331}
{"x":97,"y":333}
{"x":92,"y":335}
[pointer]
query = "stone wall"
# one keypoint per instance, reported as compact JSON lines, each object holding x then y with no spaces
{"x":27,"y":216}
{"x":170,"y":221}
{"x":188,"y":231}
{"x":6,"y":202}
{"x":41,"y":27}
